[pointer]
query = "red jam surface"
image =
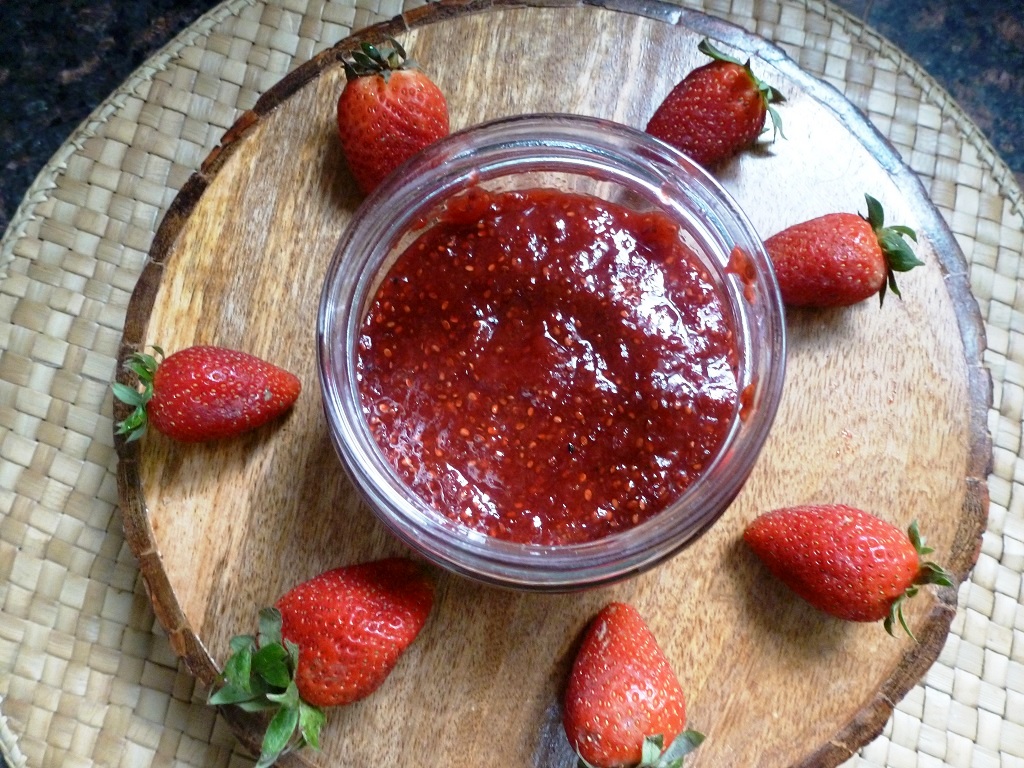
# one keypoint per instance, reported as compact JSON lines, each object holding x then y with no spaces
{"x":546,"y":367}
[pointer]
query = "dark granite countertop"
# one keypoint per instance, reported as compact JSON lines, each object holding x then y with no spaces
{"x":975,"y":50}
{"x":60,"y":58}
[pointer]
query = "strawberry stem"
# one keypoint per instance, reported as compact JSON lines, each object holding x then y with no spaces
{"x":144,"y":367}
{"x":683,"y":744}
{"x":259,"y":675}
{"x":369,"y":59}
{"x":928,"y":573}
{"x":931,"y":572}
{"x":769,"y":94}
{"x":899,"y":256}
{"x":654,"y":755}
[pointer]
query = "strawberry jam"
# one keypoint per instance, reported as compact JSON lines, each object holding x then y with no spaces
{"x":547,"y":367}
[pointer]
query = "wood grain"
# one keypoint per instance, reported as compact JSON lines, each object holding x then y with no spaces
{"x":884,"y":408}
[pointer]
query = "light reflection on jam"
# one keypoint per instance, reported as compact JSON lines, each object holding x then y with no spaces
{"x":546,"y":367}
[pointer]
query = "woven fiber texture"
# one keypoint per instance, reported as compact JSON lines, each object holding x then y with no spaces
{"x":86,"y":674}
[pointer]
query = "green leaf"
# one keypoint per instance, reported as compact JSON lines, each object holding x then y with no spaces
{"x":896,"y":614}
{"x":241,"y":642}
{"x":258,"y":676}
{"x":651,"y":749}
{"x":278,"y":735}
{"x":705,"y":47}
{"x":144,"y":367}
{"x":362,"y":59}
{"x":902,"y":230}
{"x":126,"y":394}
{"x":876,"y":214}
{"x":311,"y":722}
{"x":899,"y":256}
{"x":288,"y":698}
{"x":374,"y":53}
{"x":134,"y":425}
{"x":238,"y":669}
{"x":776,"y":118}
{"x":136,"y":418}
{"x":293,"y":653}
{"x":654,"y":755}
{"x":933,"y":573}
{"x":889,"y":284}
{"x":136,"y":434}
{"x":683,"y":744}
{"x":369,"y":59}
{"x":914,"y":532}
{"x":257,"y":704}
{"x":139,"y":368}
{"x":270,"y":626}
{"x":229,"y":694}
{"x":271,"y":663}
{"x":930,"y":572}
{"x":397,"y":47}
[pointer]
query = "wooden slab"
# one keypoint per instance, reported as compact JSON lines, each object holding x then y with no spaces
{"x":883,"y":408}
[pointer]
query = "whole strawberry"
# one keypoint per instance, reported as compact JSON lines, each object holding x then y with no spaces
{"x":204,"y":393}
{"x":328,"y":641}
{"x":844,"y":561}
{"x":840,"y":259}
{"x":623,"y":702}
{"x":388,"y":111}
{"x":717,"y":110}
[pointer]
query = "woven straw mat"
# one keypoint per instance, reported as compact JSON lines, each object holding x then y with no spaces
{"x":86,"y":674}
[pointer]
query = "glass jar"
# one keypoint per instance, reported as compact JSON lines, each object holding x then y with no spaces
{"x":593,"y":157}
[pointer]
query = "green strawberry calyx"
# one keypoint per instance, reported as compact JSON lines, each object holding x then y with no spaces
{"x":899,"y":256}
{"x":769,"y":95}
{"x":654,"y":755}
{"x":929,"y":573}
{"x":259,"y":676}
{"x":144,"y":367}
{"x":369,"y":59}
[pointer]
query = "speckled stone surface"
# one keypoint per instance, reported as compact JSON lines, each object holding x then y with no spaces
{"x":975,"y":50}
{"x":60,"y":58}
